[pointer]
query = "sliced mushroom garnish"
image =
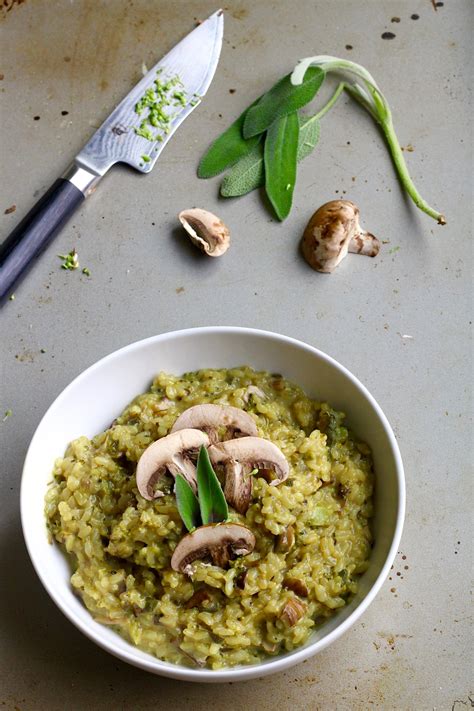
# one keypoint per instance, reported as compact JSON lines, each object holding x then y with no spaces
{"x":171,"y":453}
{"x":210,"y":418}
{"x":332,"y":232}
{"x":242,"y":456}
{"x":218,"y":542}
{"x":206,"y":230}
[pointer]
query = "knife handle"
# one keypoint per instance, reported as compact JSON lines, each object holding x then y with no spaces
{"x":43,"y":221}
{"x":35,"y":231}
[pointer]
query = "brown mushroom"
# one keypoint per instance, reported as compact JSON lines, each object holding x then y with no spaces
{"x":210,"y":418}
{"x":170,"y":453}
{"x":332,"y":232}
{"x":242,"y":456}
{"x":217,"y":542}
{"x":206,"y":231}
{"x":297,"y":586}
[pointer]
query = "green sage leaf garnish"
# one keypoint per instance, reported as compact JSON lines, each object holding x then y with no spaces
{"x":280,"y":154}
{"x":187,"y":503}
{"x":248,"y":173}
{"x":211,"y":497}
{"x":281,"y":100}
{"x":227,"y":149}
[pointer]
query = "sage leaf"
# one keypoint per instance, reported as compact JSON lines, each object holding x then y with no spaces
{"x":283,"y":98}
{"x":227,"y":149}
{"x":280,"y":154}
{"x":187,"y":503}
{"x":211,"y":497}
{"x":310,"y":130}
{"x":248,"y":173}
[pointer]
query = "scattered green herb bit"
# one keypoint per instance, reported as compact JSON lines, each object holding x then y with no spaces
{"x":43,"y":350}
{"x":70,"y":261}
{"x":12,"y":297}
{"x":281,"y":100}
{"x":368,"y":94}
{"x":86,"y":271}
{"x":8,"y":413}
{"x":393,"y":250}
{"x":212,"y":501}
{"x":280,"y":153}
{"x":187,"y":503}
{"x":227,"y":149}
{"x":146,"y":159}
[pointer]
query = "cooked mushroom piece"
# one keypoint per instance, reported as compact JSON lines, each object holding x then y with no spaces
{"x":210,"y":418}
{"x":253,"y":390}
{"x":292,"y":611}
{"x":171,"y":453}
{"x":332,"y":232}
{"x":206,"y":231}
{"x":240,"y":457}
{"x":217,"y":542}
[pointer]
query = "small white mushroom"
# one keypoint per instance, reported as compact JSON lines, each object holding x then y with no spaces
{"x":206,"y":230}
{"x":210,"y":418}
{"x":332,"y":232}
{"x":240,"y":457}
{"x":217,"y":542}
{"x":172,"y":453}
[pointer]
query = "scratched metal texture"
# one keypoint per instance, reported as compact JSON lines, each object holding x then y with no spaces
{"x":411,"y":649}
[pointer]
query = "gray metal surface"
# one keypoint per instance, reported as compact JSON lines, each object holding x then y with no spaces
{"x":400,"y":322}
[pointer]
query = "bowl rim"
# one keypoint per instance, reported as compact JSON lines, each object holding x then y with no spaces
{"x":280,"y":663}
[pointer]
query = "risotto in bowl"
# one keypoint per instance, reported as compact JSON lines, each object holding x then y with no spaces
{"x":225,"y":502}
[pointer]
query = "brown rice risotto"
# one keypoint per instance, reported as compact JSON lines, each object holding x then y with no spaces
{"x":312,"y":531}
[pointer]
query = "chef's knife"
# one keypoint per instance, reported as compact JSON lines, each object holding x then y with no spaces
{"x":188,"y":68}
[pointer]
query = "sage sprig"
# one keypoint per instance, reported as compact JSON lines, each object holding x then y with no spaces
{"x":210,"y":505}
{"x":248,"y":157}
{"x":257,"y":163}
{"x":371,"y":98}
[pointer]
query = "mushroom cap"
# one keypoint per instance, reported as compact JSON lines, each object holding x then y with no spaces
{"x":206,"y":230}
{"x":253,"y":451}
{"x":170,"y":453}
{"x":328,"y":234}
{"x":219,"y":541}
{"x":210,"y":417}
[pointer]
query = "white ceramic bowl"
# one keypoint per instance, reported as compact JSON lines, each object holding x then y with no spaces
{"x":99,"y":394}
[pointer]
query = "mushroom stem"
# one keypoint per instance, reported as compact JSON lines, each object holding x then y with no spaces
{"x":364,"y":243}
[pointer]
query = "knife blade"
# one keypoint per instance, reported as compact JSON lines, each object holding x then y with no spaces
{"x":135,"y":133}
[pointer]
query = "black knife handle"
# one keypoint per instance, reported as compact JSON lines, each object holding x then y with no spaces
{"x":35,"y":231}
